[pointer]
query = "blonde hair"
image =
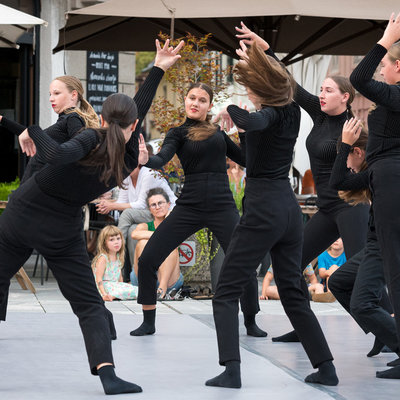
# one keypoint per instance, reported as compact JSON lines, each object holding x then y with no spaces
{"x":394,"y":52}
{"x":105,"y":233}
{"x":265,"y":77}
{"x":84,"y":110}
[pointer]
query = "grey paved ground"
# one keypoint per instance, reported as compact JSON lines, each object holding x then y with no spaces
{"x":42,"y":353}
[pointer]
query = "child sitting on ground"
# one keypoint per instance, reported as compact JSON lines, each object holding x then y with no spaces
{"x":107,"y":266}
{"x":328,"y":262}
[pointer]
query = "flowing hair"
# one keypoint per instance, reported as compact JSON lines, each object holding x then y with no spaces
{"x":266,"y":77}
{"x":202,"y":129}
{"x":84,"y":109}
{"x":354,"y":197}
{"x":119,"y":111}
{"x":104,"y":235}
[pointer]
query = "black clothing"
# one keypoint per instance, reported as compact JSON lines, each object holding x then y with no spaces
{"x":359,"y":284}
{"x":206,"y":201}
{"x":67,"y":125}
{"x":271,"y":221}
{"x":45,"y":213}
{"x":383,"y":156}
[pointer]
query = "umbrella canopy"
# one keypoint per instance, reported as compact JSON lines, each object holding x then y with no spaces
{"x":13,"y":24}
{"x":299,"y":28}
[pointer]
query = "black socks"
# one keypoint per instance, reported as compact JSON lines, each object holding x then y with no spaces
{"x":230,"y":378}
{"x":392,"y":373}
{"x":114,"y":385}
{"x":251,"y":326}
{"x":376,"y":348}
{"x":326,"y":375}
{"x":287,"y":337}
{"x":148,"y":324}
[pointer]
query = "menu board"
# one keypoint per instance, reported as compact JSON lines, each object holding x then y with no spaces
{"x":102,"y":77}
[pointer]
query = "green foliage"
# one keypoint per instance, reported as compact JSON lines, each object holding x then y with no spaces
{"x":143,"y":59}
{"x":238,"y":195}
{"x":6,"y":188}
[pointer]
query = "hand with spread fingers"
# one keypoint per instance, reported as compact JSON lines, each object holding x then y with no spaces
{"x":392,"y":31}
{"x":167,"y":55}
{"x":249,"y":37}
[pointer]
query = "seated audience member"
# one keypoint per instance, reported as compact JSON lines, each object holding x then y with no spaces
{"x":107,"y":266}
{"x":270,"y":292}
{"x":236,"y":175}
{"x":328,"y":262}
{"x":169,"y":274}
{"x":133,"y":204}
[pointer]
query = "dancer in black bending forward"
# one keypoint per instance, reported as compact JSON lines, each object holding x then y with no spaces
{"x":271,"y":220}
{"x":45,"y":212}
{"x":206,"y":201}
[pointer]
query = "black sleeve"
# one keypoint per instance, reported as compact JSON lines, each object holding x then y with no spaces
{"x":233,"y":151}
{"x":74,"y":124}
{"x":74,"y":150}
{"x":379,"y":92}
{"x":12,"y":126}
{"x":254,"y":121}
{"x":169,"y":147}
{"x":307,"y":101}
{"x":342,"y":178}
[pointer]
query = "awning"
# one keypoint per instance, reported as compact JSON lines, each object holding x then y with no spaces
{"x":299,"y":28}
{"x":13,"y":24}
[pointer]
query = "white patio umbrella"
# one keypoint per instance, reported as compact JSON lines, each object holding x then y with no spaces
{"x":13,"y":24}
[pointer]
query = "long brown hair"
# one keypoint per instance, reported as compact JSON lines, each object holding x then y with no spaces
{"x":105,"y":233}
{"x":119,"y":111}
{"x":203,"y":129}
{"x":84,"y":109}
{"x":265,"y":77}
{"x":345,"y":86}
{"x":354,"y":197}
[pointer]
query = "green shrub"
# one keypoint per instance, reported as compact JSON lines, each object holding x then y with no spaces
{"x":6,"y":188}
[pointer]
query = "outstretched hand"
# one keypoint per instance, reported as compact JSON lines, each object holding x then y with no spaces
{"x":143,"y":153}
{"x":27,"y":144}
{"x":249,"y":37}
{"x":224,"y":120}
{"x":392,"y":31}
{"x":167,"y":55}
{"x":351,"y":131}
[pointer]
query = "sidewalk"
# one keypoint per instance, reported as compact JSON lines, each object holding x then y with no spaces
{"x":42,"y":353}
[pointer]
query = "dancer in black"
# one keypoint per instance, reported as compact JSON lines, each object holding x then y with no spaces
{"x":383,"y":156}
{"x":206,"y":201}
{"x":359,"y":284}
{"x":75,"y":113}
{"x":45,"y":212}
{"x":335,"y":218}
{"x":271,"y":220}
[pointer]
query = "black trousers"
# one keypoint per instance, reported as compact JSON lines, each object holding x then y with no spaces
{"x":272,"y":221}
{"x":33,"y":219}
{"x":359,"y":286}
{"x":206,"y":201}
{"x":385,"y":188}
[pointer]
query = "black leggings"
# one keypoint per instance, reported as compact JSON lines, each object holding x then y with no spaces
{"x":189,"y":215}
{"x":359,"y":286}
{"x":272,"y":222}
{"x":33,"y":219}
{"x":385,"y":188}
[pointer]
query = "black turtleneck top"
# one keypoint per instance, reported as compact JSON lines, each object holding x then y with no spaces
{"x":384,"y":120}
{"x":67,"y":125}
{"x":271,"y":134}
{"x":196,"y":157}
{"x":321,"y":146}
{"x":64,"y":177}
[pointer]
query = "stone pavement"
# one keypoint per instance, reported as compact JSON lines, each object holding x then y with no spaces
{"x":42,"y":353}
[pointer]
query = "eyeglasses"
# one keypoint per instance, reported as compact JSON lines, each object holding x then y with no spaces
{"x":157,"y":205}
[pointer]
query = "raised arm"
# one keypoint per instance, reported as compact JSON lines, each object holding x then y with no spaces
{"x":252,"y":121}
{"x":11,"y":126}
